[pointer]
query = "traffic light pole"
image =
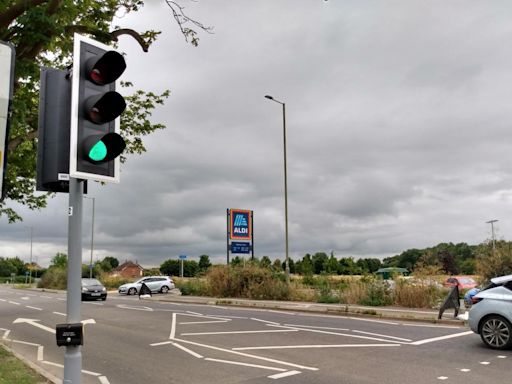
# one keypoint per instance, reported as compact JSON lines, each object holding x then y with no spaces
{"x":73,"y":354}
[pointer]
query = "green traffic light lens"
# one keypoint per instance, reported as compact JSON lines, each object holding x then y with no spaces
{"x":98,"y":152}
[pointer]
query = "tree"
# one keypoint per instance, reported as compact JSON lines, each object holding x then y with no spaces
{"x":6,"y":267}
{"x":265,"y":262}
{"x":278,"y":266}
{"x":42,"y":31}
{"x":204,"y":263}
{"x":110,"y":260}
{"x":60,"y":260}
{"x":319,"y":260}
{"x":494,"y":261}
{"x":170,"y":267}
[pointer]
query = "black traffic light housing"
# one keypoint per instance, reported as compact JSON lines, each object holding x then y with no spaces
{"x":95,"y":143}
{"x":53,"y":131}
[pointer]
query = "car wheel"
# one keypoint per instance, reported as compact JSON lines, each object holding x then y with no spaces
{"x":496,"y":332}
{"x":164,"y":289}
{"x":132,"y":291}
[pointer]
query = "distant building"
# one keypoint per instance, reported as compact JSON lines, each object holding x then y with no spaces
{"x":128,"y":270}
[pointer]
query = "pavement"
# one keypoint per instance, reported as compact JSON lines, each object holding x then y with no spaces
{"x":397,"y":313}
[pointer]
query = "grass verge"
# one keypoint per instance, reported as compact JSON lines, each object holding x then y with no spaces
{"x":14,"y":371}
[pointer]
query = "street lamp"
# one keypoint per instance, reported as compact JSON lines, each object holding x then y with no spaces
{"x":287,"y":263}
{"x":30,"y":265}
{"x":92,"y":234}
{"x":492,"y":232}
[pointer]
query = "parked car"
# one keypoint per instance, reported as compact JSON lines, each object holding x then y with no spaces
{"x":490,"y":315}
{"x":463,"y":282}
{"x":93,"y":289}
{"x":161,"y":284}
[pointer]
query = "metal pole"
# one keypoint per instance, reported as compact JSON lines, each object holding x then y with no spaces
{"x":92,"y":233}
{"x":287,"y":262}
{"x":492,"y":234}
{"x":228,"y":217}
{"x":30,"y":268}
{"x":73,"y":354}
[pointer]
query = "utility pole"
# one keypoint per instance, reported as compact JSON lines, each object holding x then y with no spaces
{"x":492,"y":234}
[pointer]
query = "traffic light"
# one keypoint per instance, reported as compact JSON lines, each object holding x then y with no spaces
{"x":53,"y":131}
{"x":95,"y":143}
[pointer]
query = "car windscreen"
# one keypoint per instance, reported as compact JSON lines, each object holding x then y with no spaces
{"x":89,"y":282}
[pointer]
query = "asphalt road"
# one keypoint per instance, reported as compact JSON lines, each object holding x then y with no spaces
{"x":128,"y":340}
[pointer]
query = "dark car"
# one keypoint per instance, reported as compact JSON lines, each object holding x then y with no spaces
{"x":92,"y":289}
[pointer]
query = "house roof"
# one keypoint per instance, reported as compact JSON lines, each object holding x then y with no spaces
{"x":125,"y":265}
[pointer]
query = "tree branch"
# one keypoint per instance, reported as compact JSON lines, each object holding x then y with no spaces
{"x":17,"y":9}
{"x":125,"y":31}
{"x":13,"y":143}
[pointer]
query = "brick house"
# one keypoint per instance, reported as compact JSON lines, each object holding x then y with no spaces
{"x":128,"y":270}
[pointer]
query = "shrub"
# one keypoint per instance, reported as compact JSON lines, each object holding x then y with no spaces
{"x":54,"y":278}
{"x":196,"y":286}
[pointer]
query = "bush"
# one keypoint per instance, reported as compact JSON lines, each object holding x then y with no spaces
{"x":197,"y":287}
{"x":248,"y":281}
{"x":417,"y":294}
{"x":54,"y":278}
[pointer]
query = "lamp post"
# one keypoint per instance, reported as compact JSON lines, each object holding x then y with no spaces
{"x":287,"y":263}
{"x":92,"y":234}
{"x":492,"y":232}
{"x":30,"y":265}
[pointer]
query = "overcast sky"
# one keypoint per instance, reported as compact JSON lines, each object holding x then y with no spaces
{"x":398,"y":117}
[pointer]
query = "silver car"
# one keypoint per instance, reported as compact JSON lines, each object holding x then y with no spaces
{"x":490,"y":315}
{"x":161,"y":284}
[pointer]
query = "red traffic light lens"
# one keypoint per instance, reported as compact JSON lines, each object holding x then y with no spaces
{"x":104,"y":107}
{"x":106,"y":69}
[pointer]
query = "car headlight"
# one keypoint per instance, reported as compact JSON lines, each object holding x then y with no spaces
{"x":104,"y":289}
{"x":84,"y":289}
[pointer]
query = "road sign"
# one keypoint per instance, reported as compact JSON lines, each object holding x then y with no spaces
{"x":6,"y":86}
{"x":183,"y":257}
{"x":240,"y":247}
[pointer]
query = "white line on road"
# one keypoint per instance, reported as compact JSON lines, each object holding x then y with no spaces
{"x":341,"y":334}
{"x":425,"y":341}
{"x":378,"y":334}
{"x":195,"y":313}
{"x":103,"y":380}
{"x":238,"y":332}
{"x":40,"y":350}
{"x":316,"y":346}
{"x":248,"y":355}
{"x":189,"y":351}
{"x":314,"y":327}
{"x":264,"y":321}
{"x":35,"y":323}
{"x":37,"y":309}
{"x":246,"y":364}
{"x":161,"y":343}
{"x":284,"y":374}
{"x":13,"y":302}
{"x":59,"y":313}
{"x":136,"y":308}
{"x":204,"y":322}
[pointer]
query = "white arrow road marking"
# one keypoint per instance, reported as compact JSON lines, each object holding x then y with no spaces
{"x":35,"y":323}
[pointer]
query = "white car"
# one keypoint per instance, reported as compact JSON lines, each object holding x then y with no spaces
{"x":161,"y":284}
{"x":491,"y":313}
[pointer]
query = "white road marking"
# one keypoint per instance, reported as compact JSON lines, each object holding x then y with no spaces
{"x":378,"y":334}
{"x":485,"y":363}
{"x":246,"y":364}
{"x":40,"y":350}
{"x":173,"y":327}
{"x":161,"y":343}
{"x":36,"y":308}
{"x":284,"y":374}
{"x":238,"y":332}
{"x":264,"y":321}
{"x":442,"y":378}
{"x":195,"y":313}
{"x":6,"y":333}
{"x":185,"y":349}
{"x":315,"y":327}
{"x":431,"y":326}
{"x":204,"y":322}
{"x":248,"y":355}
{"x":59,"y":313}
{"x":373,"y":321}
{"x":501,"y":357}
{"x":46,"y":297}
{"x":25,"y":343}
{"x":103,"y":380}
{"x":35,"y":323}
{"x":25,"y":298}
{"x":316,"y":346}
{"x":136,"y":308}
{"x":13,"y":302}
{"x":341,"y":334}
{"x":3,"y":300}
{"x":465,"y":370}
{"x":425,"y":341}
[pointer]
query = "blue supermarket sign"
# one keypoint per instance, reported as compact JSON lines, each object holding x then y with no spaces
{"x":240,"y":247}
{"x":240,"y":224}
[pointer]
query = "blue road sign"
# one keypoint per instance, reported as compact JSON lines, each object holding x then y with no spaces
{"x":240,"y":247}
{"x":183,"y":257}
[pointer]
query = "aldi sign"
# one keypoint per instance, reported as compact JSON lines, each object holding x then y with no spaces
{"x":240,"y":224}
